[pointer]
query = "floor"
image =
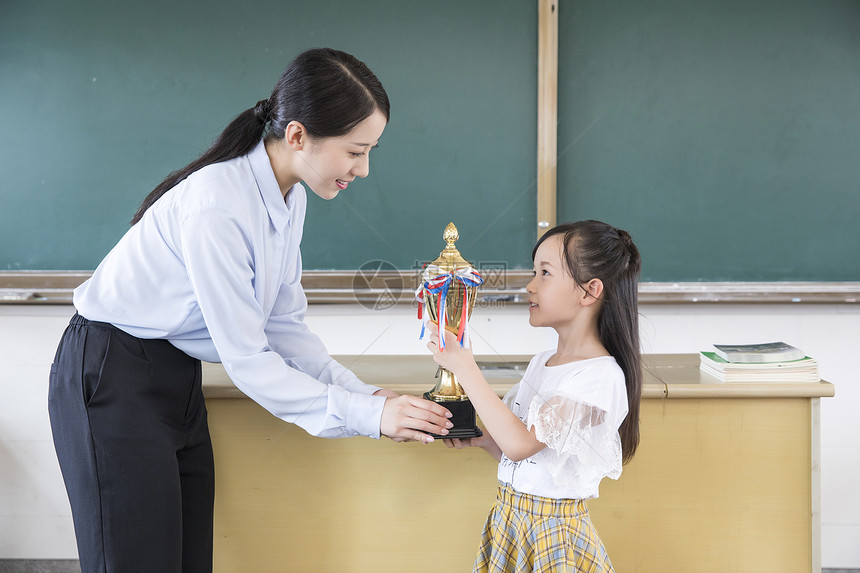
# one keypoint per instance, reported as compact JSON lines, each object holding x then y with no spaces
{"x":71,"y":566}
{"x":39,"y":566}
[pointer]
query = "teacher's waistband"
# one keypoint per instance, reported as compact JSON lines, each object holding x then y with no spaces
{"x":163,"y":347}
{"x":78,"y":320}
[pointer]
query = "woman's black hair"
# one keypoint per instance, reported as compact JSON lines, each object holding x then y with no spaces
{"x":327,"y":91}
{"x":596,"y":250}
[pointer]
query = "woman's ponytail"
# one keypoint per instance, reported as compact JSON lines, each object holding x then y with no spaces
{"x":237,"y":139}
{"x":261,"y":111}
{"x":328,"y":91}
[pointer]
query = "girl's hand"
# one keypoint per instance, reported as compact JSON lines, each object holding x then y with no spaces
{"x":454,"y":357}
{"x":460,"y":443}
{"x":485,"y":442}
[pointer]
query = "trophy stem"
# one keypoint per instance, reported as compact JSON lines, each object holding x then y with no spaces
{"x":448,"y":389}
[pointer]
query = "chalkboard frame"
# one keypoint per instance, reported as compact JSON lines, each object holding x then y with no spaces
{"x":508,"y":288}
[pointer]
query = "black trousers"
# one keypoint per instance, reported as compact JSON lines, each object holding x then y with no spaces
{"x":130,"y":430}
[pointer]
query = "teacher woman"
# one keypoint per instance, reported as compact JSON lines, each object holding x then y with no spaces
{"x":210,"y":270}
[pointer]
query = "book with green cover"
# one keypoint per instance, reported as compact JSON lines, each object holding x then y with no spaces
{"x":755,"y":353}
{"x":802,"y":370}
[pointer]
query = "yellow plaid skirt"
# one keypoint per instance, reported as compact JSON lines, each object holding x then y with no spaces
{"x":526,"y":533}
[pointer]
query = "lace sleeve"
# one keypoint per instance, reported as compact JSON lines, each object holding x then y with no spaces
{"x":582,"y":447}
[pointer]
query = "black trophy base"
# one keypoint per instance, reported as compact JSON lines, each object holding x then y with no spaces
{"x":463,"y":418}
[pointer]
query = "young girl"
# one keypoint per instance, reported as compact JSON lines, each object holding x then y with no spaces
{"x":210,"y":270}
{"x":574,"y":417}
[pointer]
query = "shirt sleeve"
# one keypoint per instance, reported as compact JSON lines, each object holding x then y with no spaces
{"x":583,"y":444}
{"x":511,"y":395}
{"x":290,"y":337}
{"x":220,"y":266}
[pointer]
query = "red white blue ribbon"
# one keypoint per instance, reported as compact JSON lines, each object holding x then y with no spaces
{"x":438,"y":282}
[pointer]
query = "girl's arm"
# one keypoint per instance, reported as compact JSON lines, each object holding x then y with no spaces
{"x":507,"y":430}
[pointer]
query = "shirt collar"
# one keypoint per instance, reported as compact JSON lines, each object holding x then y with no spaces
{"x":278,"y":209}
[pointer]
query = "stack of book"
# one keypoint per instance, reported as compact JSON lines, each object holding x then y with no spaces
{"x":759,"y":363}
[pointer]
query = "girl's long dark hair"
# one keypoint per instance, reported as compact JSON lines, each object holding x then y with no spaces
{"x":593,"y":249}
{"x":327,"y":91}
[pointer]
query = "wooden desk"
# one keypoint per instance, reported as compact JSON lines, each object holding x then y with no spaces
{"x":725,"y":479}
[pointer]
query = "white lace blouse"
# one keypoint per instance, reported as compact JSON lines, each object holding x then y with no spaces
{"x":576,"y":410}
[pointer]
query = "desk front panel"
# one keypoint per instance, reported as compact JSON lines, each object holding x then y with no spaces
{"x":717,"y":485}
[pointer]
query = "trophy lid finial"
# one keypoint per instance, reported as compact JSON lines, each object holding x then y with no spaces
{"x":450,"y":235}
{"x":450,"y":258}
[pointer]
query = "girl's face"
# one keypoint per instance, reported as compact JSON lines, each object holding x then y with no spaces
{"x":554,"y":297}
{"x":330,"y":164}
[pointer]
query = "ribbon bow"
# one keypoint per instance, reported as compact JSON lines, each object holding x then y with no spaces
{"x":438,"y":282}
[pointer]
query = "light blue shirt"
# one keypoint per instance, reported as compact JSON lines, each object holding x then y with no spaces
{"x":214,"y":267}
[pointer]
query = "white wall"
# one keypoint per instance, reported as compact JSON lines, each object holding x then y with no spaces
{"x":35,"y":522}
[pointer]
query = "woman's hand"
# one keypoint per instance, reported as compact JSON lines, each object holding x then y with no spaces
{"x":411,"y":419}
{"x":454,"y":357}
{"x":386,"y":392}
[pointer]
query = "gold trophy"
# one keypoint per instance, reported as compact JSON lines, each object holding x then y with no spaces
{"x":448,"y":287}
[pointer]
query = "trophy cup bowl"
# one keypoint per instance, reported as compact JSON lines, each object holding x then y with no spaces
{"x":448,"y":391}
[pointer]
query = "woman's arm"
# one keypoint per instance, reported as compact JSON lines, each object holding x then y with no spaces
{"x":310,"y":389}
{"x":507,"y":430}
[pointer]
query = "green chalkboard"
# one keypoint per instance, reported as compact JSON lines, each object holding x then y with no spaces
{"x":100,"y":100}
{"x":724,"y":135}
